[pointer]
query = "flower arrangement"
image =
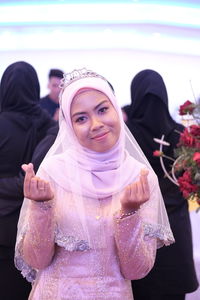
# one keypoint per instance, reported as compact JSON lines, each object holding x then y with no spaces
{"x":187,"y":154}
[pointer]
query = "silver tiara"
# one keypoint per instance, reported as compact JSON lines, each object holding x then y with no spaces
{"x":68,"y":78}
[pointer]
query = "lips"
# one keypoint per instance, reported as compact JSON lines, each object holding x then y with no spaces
{"x":100,"y":136}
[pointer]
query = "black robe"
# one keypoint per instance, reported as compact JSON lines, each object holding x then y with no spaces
{"x":23,"y":124}
{"x":149,"y":117}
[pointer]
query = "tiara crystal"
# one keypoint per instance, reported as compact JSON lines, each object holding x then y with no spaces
{"x":77,"y":74}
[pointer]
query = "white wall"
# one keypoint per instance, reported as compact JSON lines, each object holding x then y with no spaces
{"x":119,"y":66}
{"x":135,"y":36}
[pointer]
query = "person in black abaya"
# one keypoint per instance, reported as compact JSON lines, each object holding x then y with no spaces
{"x":23,"y":124}
{"x":173,"y":274}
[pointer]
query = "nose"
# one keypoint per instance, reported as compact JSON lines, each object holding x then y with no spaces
{"x":96,"y":124}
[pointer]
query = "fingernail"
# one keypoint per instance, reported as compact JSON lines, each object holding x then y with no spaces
{"x":144,"y":172}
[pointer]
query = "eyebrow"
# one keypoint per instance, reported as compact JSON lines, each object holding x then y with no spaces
{"x":83,"y":112}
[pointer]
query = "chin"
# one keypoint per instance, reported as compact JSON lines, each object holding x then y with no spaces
{"x":103,"y":149}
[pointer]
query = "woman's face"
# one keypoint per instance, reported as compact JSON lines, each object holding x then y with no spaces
{"x":95,"y":120}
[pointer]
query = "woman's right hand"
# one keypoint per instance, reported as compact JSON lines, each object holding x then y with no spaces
{"x":36,"y":188}
{"x":136,"y":193}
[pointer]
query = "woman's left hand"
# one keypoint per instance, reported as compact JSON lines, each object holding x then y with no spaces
{"x":36,"y":188}
{"x":136,"y":193}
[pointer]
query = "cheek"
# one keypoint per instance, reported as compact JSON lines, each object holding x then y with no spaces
{"x":118,"y":129}
{"x":80,"y":131}
{"x":116,"y":123}
{"x":76,"y":130}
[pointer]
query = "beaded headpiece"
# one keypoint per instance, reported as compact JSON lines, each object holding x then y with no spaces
{"x":77,"y":74}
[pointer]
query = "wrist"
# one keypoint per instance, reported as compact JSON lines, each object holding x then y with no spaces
{"x":44,"y":205}
{"x":42,"y":201}
{"x":127,"y":212}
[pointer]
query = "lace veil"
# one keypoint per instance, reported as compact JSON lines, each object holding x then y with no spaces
{"x":87,"y":185}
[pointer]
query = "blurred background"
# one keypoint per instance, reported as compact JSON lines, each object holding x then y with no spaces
{"x":115,"y":38}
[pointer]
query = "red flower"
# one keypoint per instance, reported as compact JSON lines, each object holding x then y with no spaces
{"x":196,"y":157}
{"x":187,"y":107}
{"x":187,"y":139}
{"x":195,"y":130}
{"x":157,"y":153}
{"x":185,"y":184}
{"x":197,"y":144}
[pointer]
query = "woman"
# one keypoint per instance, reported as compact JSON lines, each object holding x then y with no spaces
{"x":173,"y":274}
{"x":22,"y":125}
{"x":93,"y":215}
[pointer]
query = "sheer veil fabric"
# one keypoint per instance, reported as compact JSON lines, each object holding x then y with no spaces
{"x":85,"y":181}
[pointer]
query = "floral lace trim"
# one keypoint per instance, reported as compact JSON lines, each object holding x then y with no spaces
{"x":27,"y":271}
{"x":70,"y":243}
{"x":164,"y":235}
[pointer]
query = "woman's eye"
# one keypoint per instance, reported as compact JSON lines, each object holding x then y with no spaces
{"x":80,"y":119}
{"x":103,"y":109}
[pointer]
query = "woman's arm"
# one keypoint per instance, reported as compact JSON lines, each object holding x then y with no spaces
{"x":38,"y":244}
{"x":136,"y":255}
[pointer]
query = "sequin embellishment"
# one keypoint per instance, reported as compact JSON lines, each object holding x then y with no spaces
{"x":71,"y":243}
{"x":158,"y":231}
{"x":26,"y":271}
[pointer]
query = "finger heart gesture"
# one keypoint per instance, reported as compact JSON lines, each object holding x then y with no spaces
{"x":136,"y":193}
{"x":35,"y":188}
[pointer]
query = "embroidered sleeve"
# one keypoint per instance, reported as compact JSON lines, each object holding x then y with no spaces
{"x":136,"y":255}
{"x":38,"y":243}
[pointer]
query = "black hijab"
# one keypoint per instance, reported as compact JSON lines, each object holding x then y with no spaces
{"x":22,"y":121}
{"x":149,"y":116}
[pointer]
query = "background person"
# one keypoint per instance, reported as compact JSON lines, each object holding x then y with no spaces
{"x":51,"y":101}
{"x":22,"y":125}
{"x":173,"y":274}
